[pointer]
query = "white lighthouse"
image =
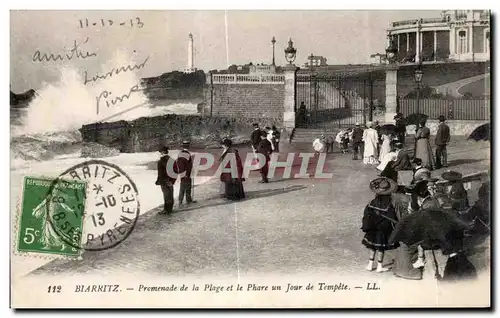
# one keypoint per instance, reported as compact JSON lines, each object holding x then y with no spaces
{"x":190,"y":67}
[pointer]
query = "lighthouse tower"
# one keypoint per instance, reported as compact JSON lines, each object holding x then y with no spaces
{"x":190,"y":67}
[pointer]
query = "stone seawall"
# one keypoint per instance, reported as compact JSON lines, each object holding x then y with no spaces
{"x":149,"y":133}
{"x":261,"y":101}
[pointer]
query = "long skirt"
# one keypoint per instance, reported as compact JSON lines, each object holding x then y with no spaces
{"x":405,"y":256}
{"x":423,"y":151}
{"x":234,"y":190}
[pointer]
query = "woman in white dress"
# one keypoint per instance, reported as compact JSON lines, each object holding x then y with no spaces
{"x":386,"y":146}
{"x":370,"y":138}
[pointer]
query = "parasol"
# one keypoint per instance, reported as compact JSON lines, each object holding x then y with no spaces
{"x":388,"y":129}
{"x":482,"y":132}
{"x":431,"y":228}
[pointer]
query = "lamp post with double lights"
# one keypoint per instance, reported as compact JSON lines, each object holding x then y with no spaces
{"x":418,"y":79}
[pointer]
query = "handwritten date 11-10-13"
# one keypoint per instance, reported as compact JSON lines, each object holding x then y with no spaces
{"x":107,"y":22}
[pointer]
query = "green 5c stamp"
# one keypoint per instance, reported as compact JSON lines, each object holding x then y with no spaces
{"x":52,"y":215}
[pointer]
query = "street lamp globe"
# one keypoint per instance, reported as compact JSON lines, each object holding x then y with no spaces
{"x":290,"y":52}
{"x":418,"y":76}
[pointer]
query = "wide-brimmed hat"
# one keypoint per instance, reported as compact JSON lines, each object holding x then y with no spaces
{"x":369,"y":124}
{"x":383,"y":185}
{"x":398,"y":115}
{"x":186,"y":143}
{"x":357,"y":124}
{"x":255,"y":125}
{"x":451,"y":175}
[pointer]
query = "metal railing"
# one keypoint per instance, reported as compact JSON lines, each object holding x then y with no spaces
{"x":248,"y":79}
{"x":459,"y":109}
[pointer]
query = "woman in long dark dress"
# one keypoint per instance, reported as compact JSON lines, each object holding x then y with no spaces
{"x":379,"y":220}
{"x":233,"y":180}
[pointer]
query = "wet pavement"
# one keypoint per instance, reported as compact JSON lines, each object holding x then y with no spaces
{"x":286,"y":226}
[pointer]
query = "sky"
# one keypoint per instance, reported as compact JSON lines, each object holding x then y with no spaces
{"x":341,"y":36}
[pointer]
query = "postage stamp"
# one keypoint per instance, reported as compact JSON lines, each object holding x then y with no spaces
{"x":51,"y":224}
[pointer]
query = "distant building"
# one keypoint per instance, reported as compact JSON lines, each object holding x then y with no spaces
{"x":315,"y":60}
{"x":262,"y":69}
{"x":458,"y":35}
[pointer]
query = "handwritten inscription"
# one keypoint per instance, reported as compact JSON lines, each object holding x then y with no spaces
{"x":104,"y":95}
{"x":114,"y":71}
{"x":74,"y":52}
{"x":137,"y":23}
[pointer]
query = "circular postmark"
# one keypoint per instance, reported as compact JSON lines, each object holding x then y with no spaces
{"x":99,"y":218}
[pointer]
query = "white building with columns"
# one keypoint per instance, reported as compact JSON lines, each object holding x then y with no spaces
{"x":458,"y":35}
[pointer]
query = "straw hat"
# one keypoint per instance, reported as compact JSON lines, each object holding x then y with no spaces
{"x":186,"y":143}
{"x":164,"y":150}
{"x":451,"y":175}
{"x":383,"y":185}
{"x":369,"y":124}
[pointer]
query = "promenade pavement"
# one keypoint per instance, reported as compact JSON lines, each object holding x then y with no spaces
{"x":286,"y":226}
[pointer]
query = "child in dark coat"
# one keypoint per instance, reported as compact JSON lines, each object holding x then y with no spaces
{"x":379,"y":220}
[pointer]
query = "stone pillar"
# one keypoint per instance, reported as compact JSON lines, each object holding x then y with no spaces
{"x":407,"y":43}
{"x":391,"y":94}
{"x":435,"y":45}
{"x":290,"y":96}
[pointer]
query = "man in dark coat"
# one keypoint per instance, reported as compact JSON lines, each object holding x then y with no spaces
{"x":255,"y":137}
{"x":357,"y":141}
{"x":266,"y":149}
{"x":166,"y":181}
{"x":400,"y":127}
{"x":184,"y":165}
{"x":442,"y":140}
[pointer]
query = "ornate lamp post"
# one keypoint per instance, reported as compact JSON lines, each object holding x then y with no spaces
{"x":273,"y":41}
{"x":290,"y":52}
{"x":418,"y":79}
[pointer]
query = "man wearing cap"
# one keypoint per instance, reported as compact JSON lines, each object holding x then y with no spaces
{"x":165,"y":180}
{"x":184,"y":166}
{"x":442,"y":140}
{"x":357,"y":141}
{"x":255,"y":137}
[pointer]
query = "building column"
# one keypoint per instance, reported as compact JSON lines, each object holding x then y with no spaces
{"x":407,"y":43}
{"x":453,"y":38}
{"x":290,"y":96}
{"x":435,"y":45}
{"x":417,"y":47}
{"x":399,"y":35}
{"x":391,"y":94}
{"x":471,"y":39}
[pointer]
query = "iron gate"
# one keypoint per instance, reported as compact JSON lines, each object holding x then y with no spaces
{"x":333,"y":101}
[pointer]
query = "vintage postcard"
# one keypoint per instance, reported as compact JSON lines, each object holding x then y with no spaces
{"x":250,"y":159}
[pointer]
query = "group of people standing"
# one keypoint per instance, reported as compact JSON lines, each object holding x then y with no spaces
{"x":264,"y":141}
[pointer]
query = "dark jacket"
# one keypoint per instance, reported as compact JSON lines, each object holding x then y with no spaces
{"x":402,"y":161}
{"x":255,"y":137}
{"x":163,"y":177}
{"x":400,"y":126}
{"x":265,"y":147}
{"x":184,"y":164}
{"x":357,"y":135}
{"x":443,"y":134}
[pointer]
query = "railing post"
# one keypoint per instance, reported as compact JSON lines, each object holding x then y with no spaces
{"x":235,"y":79}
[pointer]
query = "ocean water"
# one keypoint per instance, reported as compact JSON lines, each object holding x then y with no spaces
{"x":49,"y":126}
